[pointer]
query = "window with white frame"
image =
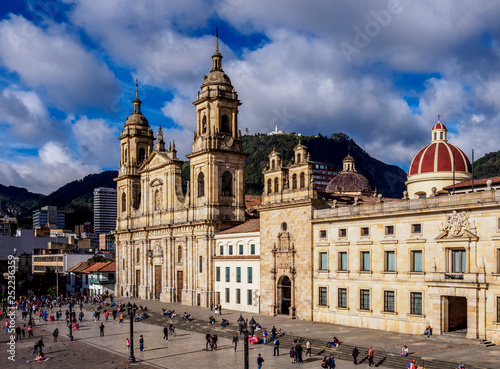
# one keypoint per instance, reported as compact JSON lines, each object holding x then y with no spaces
{"x":343,"y":261}
{"x":390,"y":261}
{"x":323,"y":261}
{"x":416,"y":261}
{"x":365,"y":261}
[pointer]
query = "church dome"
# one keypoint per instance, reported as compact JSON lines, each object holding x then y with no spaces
{"x":136,"y":118}
{"x":349,"y":180}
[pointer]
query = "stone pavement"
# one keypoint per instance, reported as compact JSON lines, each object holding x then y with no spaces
{"x":187,"y":348}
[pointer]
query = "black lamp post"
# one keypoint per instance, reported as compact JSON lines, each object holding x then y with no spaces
{"x":240,"y":323}
{"x":131,"y":310}
{"x":247,"y":333}
{"x":70,"y":305}
{"x":30,"y":308}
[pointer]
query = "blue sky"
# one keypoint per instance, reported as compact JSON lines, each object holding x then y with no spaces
{"x":379,"y":71}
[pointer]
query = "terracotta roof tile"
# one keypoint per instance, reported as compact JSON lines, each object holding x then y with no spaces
{"x":108,"y":266}
{"x":78,"y":268}
{"x":477,"y":182}
{"x":252,"y":225}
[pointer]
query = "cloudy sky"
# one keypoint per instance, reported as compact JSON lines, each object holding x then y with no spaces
{"x":379,"y":71}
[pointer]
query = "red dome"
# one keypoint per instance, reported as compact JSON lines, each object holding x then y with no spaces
{"x":438,"y":125}
{"x":438,"y":157}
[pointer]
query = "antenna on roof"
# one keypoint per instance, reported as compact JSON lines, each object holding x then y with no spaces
{"x":472,"y":170}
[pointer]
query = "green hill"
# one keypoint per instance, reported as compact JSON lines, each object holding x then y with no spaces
{"x":487,"y":166}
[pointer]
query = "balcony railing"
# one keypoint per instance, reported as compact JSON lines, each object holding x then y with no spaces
{"x":97,"y":280}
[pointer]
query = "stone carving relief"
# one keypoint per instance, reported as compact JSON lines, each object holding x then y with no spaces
{"x":458,"y":224}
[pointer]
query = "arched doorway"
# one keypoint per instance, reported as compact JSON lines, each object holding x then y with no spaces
{"x":284,"y":295}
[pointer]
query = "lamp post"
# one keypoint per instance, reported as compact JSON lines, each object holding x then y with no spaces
{"x":131,"y":310}
{"x":70,"y":305}
{"x":30,"y":308}
{"x":252,"y":324}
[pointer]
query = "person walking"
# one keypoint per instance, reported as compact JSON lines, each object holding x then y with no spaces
{"x":101,"y":329}
{"x":308,"y":348}
{"x":273,"y":333}
{"x":55,"y":334}
{"x":141,"y":343}
{"x":355,"y":354}
{"x":214,"y":342}
{"x":276,"y":347}
{"x":235,"y":341}
{"x":220,"y":309}
{"x":208,"y":337}
{"x":30,"y":331}
{"x":299,"y":350}
{"x":80,"y":316}
{"x":260,"y":360}
{"x":370,"y":356}
{"x":18,"y":332}
{"x":331,"y":362}
{"x":40,"y":344}
{"x":264,"y":336}
{"x":165,"y":333}
{"x":106,"y":315}
{"x":127,"y":342}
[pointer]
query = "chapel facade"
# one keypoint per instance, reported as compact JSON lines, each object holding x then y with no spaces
{"x":165,"y":236}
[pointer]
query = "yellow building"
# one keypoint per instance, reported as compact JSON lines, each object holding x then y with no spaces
{"x":165,"y":237}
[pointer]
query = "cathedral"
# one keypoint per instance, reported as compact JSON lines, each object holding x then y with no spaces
{"x":164,"y":236}
{"x":345,"y":255}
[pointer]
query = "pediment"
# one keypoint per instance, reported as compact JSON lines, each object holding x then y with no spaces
{"x":156,"y":182}
{"x":458,"y":226}
{"x":154,"y":161}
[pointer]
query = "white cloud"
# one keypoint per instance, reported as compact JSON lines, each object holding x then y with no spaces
{"x":52,"y":61}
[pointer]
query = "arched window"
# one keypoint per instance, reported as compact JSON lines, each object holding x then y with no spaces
{"x":125,"y":159}
{"x":137,"y":255}
{"x":276,"y":185}
{"x":294,"y":182}
{"x":201,"y":184}
{"x":124,"y":202}
{"x":204,"y":124}
{"x":179,"y":254}
{"x":269,"y":186}
{"x":227,"y":184}
{"x":224,"y":124}
{"x":272,"y":164}
{"x":302,"y":180}
{"x":298,"y":158}
{"x":142,"y":154}
{"x":157,"y":199}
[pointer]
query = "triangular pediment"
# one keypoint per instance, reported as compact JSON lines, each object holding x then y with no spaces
{"x":465,"y":235}
{"x":154,"y":161}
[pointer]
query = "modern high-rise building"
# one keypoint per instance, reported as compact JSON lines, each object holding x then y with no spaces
{"x":48,"y":217}
{"x":104,"y":209}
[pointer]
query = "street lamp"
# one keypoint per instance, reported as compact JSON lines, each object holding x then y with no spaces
{"x":70,"y":305}
{"x":252,"y":324}
{"x":131,"y":310}
{"x":30,"y":308}
{"x":240,"y":323}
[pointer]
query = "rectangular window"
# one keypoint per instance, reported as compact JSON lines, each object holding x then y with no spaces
{"x":230,"y":249}
{"x":250,"y":274}
{"x":343,"y":261}
{"x":218,"y":274}
{"x":227,"y":295}
{"x":389,"y":301}
{"x":365,"y":231}
{"x":241,"y":249}
{"x":252,"y":249}
{"x":323,"y":261}
{"x":201,"y":264}
{"x":416,"y":261}
{"x":364,"y":299}
{"x":238,"y":296}
{"x":322,"y":233}
{"x":249,"y":297}
{"x":238,"y":274}
{"x":416,"y":303}
{"x":322,"y":296}
{"x":416,"y":228}
{"x":343,"y":233}
{"x":390,"y":261}
{"x":342,"y":298}
{"x":458,"y":260}
{"x":365,"y":261}
{"x":389,"y":230}
{"x":221,"y":250}
{"x":228,"y":274}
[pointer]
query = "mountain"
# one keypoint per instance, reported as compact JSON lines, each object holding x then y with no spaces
{"x":15,"y":200}
{"x":487,"y":166}
{"x":387,"y":179}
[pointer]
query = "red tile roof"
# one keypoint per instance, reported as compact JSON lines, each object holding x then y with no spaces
{"x":252,"y":225}
{"x":477,"y":182}
{"x":79,"y":267}
{"x":108,"y":266}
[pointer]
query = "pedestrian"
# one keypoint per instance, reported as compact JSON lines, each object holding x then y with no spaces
{"x":264,"y":336}
{"x":35,"y":349}
{"x":276,"y":347}
{"x":293,"y":355}
{"x":260,"y":360}
{"x":121,"y":318}
{"x":211,"y":306}
{"x":23,"y":333}
{"x":214,"y":342}
{"x":18,"y":332}
{"x":106,"y":315}
{"x":370,"y":356}
{"x":165,"y":333}
{"x":331,"y":362}
{"x":40,"y":344}
{"x":30,"y":331}
{"x":235,"y":341}
{"x":141,"y":343}
{"x":220,"y":309}
{"x":298,"y":350}
{"x":55,"y":334}
{"x":273,"y":333}
{"x":101,"y":329}
{"x":80,"y":316}
{"x":128,"y":344}
{"x":208,"y":337}
{"x":355,"y":354}
{"x":308,"y":348}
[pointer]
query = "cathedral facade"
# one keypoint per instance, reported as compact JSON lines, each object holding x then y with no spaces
{"x":164,"y":235}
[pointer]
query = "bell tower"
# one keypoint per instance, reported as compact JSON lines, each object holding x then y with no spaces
{"x":136,"y":143}
{"x":217,"y":162}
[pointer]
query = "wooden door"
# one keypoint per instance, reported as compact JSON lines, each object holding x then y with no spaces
{"x":180,"y":285}
{"x":157,"y":281}
{"x":137,"y":282}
